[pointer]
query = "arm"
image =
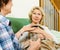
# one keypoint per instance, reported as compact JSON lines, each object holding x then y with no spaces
{"x":0,"y":47}
{"x":49,"y":32}
{"x":24,"y":29}
{"x":8,"y":40}
{"x":19,"y":33}
{"x":5,"y":40}
{"x":43,"y":32}
{"x":23,"y":37}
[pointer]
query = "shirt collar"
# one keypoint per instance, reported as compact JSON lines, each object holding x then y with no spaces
{"x":4,"y":20}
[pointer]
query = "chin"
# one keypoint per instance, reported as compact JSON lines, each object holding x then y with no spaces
{"x":36,"y":22}
{"x":9,"y":12}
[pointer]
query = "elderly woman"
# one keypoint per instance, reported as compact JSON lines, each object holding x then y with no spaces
{"x":35,"y":34}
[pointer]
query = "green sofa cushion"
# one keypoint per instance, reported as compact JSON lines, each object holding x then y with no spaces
{"x":18,"y":23}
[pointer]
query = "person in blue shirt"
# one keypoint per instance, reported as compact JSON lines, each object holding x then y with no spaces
{"x":8,"y":40}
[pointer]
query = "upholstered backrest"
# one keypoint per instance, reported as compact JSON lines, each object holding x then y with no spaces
{"x":18,"y":23}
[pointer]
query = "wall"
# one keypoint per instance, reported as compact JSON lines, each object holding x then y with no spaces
{"x":59,"y":20}
{"x":21,"y":8}
{"x":49,"y":17}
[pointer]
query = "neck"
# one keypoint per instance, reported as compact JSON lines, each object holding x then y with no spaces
{"x":3,"y":13}
{"x":34,"y":23}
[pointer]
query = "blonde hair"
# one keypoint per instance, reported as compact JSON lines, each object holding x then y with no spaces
{"x":38,"y":8}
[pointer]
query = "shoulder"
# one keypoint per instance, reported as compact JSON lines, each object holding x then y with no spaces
{"x":2,"y":29}
{"x":3,"y":33}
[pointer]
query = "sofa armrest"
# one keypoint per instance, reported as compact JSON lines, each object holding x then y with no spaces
{"x":56,"y":34}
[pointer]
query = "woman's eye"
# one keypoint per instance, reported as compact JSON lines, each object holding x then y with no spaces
{"x":38,"y":13}
{"x":34,"y":13}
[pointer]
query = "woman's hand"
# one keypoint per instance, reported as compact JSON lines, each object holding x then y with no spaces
{"x":28,"y":28}
{"x":34,"y":45}
{"x":37,"y":30}
{"x":42,"y":32}
{"x":24,"y":29}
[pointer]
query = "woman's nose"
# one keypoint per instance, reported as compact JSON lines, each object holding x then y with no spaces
{"x":36,"y":15}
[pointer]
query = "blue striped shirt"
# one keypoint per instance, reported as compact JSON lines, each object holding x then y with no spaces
{"x":8,"y":41}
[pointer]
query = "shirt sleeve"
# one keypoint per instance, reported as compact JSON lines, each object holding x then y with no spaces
{"x":14,"y":40}
{"x":5,"y":40}
{"x":8,"y":40}
{"x":0,"y":47}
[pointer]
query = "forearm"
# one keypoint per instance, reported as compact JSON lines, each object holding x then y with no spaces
{"x":19,"y":33}
{"x":48,"y":36}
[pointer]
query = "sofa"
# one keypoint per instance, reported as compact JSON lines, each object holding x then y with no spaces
{"x":18,"y":23}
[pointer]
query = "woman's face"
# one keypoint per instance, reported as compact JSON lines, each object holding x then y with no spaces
{"x":36,"y":16}
{"x":7,"y":8}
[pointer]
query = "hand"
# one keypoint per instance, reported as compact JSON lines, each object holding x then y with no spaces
{"x":28,"y":28}
{"x":42,"y":32}
{"x":37,"y":30}
{"x":24,"y":29}
{"x":34,"y":45}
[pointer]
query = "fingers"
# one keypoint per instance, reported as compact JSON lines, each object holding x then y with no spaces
{"x":39,"y":40}
{"x":35,"y":31}
{"x":31,"y":29}
{"x":31,"y":41}
{"x":35,"y":44}
{"x":28,"y":28}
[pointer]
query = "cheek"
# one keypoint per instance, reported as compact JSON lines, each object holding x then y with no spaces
{"x":33,"y":17}
{"x":40,"y":17}
{"x":8,"y":9}
{"x":9,"y":6}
